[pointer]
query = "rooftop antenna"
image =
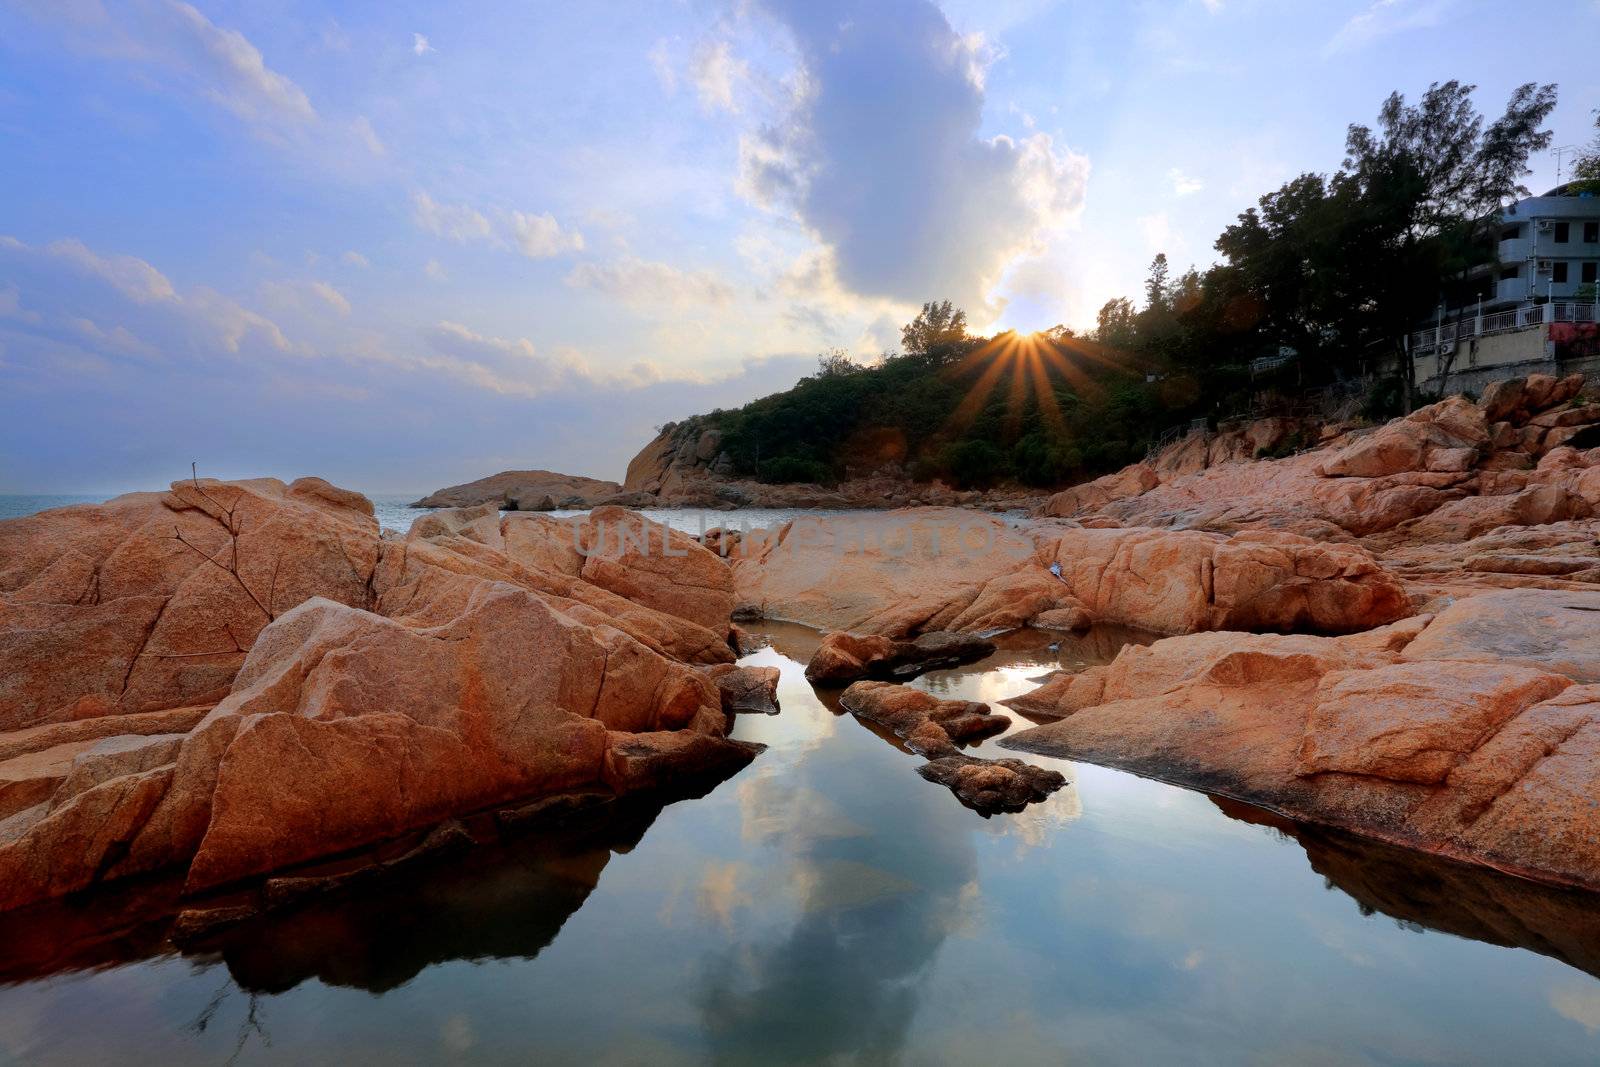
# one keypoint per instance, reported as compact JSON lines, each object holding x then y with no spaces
{"x":1561,"y":155}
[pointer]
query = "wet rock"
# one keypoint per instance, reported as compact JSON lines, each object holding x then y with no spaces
{"x":664,"y":759}
{"x":845,"y":657}
{"x":992,"y":786}
{"x":197,"y":924}
{"x":747,"y":689}
{"x":920,"y":717}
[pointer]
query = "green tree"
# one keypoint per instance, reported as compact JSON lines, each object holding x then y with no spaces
{"x":1587,"y":166}
{"x":1114,"y":324}
{"x":939,"y":324}
{"x":1432,"y":182}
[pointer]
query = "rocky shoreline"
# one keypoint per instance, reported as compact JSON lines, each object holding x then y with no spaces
{"x":1396,"y":633}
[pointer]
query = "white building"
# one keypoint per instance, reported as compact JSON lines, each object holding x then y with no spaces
{"x":1535,"y":308}
{"x":1549,"y":248}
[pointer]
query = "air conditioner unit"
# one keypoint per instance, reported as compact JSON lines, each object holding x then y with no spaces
{"x":1447,"y":348}
{"x":1545,"y":225}
{"x":1545,"y":266}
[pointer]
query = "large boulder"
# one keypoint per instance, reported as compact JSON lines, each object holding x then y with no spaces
{"x":1131,"y":481}
{"x":1173,"y":581}
{"x":918,"y":570}
{"x":482,"y":659}
{"x":153,"y":600}
{"x":1440,"y":734}
{"x":1440,"y":437}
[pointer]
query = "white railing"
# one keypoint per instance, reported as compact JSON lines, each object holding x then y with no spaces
{"x":1526,"y":317}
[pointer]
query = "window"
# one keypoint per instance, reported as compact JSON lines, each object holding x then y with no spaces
{"x":1508,"y":274}
{"x":1588,"y":271}
{"x":1510,"y":233}
{"x":1558,"y":272}
{"x":1563,"y":232}
{"x":1591,"y":232}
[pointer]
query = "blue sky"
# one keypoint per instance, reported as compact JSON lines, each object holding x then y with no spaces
{"x":404,"y":245}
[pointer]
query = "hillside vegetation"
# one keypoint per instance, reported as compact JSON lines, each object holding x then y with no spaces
{"x":1325,"y":277}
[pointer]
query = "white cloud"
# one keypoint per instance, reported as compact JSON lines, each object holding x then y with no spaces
{"x":879,"y":155}
{"x":716,"y":72}
{"x":537,"y":236}
{"x":459,"y":222}
{"x":660,"y":57}
{"x":1383,"y":19}
{"x":11,"y":306}
{"x":1212,"y":6}
{"x":1183,"y":184}
{"x":175,"y":47}
{"x":243,"y":82}
{"x":640,"y":281}
{"x":314,"y":296}
{"x":541,"y":236}
{"x":355,"y":259}
{"x":361,"y":129}
{"x":515,"y":367}
{"x":119,"y":305}
{"x":129,"y":275}
{"x":420,"y":45}
{"x":435,"y":270}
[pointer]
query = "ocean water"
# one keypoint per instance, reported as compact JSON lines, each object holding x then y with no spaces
{"x":828,"y":905}
{"x":394,"y":511}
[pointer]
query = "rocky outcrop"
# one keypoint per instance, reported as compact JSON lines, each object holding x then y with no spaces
{"x":746,"y":689}
{"x":152,"y":600}
{"x":921,"y":570}
{"x":525,"y":491}
{"x":845,"y":657}
{"x":371,"y":686}
{"x":1466,"y":734}
{"x":1446,"y":473}
{"x":919,"y":717}
{"x":685,"y":466}
{"x":934,"y":729}
{"x":992,"y":786}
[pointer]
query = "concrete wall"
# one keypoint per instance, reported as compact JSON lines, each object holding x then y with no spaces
{"x":1503,"y":355}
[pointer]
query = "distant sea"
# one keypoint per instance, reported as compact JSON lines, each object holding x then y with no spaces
{"x":394,"y":513}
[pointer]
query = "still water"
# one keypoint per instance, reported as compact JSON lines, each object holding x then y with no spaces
{"x":828,"y":905}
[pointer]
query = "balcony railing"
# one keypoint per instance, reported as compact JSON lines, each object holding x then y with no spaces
{"x":1526,"y":317}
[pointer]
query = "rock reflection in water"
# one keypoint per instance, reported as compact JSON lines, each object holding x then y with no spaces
{"x":1423,"y":891}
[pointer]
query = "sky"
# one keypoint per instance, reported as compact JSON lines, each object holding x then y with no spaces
{"x":404,"y":245}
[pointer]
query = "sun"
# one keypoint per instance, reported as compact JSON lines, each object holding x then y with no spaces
{"x":1029,"y":358}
